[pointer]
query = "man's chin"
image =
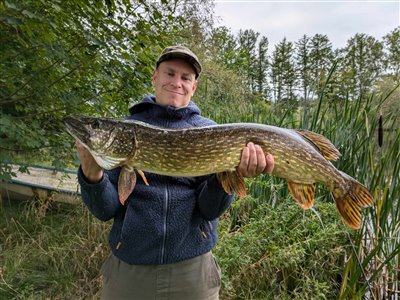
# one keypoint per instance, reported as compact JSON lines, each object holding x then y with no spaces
{"x":177,"y":102}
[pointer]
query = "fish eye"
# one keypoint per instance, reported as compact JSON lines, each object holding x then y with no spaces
{"x":96,"y":124}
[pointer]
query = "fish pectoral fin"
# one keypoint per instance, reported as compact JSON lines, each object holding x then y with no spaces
{"x":304,"y":194}
{"x":140,"y":172}
{"x":106,"y":162}
{"x":232,"y":181}
{"x":323,"y":145}
{"x":126,"y":184}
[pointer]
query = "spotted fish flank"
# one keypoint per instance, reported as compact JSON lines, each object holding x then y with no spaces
{"x":301,"y":157}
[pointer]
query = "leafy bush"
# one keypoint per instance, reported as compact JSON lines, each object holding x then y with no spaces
{"x":282,"y":252}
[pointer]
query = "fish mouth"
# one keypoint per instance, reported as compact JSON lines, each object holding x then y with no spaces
{"x":76,"y":128}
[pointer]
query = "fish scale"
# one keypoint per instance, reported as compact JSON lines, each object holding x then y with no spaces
{"x":301,"y":157}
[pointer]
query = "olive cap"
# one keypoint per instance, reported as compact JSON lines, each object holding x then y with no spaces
{"x":181,"y":52}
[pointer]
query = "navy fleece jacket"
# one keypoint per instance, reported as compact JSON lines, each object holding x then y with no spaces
{"x":170,"y":220}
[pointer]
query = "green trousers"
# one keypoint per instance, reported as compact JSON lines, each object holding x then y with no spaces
{"x":196,"y":278}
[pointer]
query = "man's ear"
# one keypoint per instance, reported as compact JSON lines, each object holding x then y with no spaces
{"x":154,"y":76}
{"x":194,"y":87}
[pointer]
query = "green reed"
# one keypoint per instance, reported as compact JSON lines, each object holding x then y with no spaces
{"x":371,"y":263}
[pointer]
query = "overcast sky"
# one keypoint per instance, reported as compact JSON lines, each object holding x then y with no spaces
{"x":339,"y":20}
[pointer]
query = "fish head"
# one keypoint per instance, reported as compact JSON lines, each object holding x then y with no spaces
{"x":111,"y":142}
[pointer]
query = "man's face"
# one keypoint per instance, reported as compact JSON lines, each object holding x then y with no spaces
{"x":174,"y":82}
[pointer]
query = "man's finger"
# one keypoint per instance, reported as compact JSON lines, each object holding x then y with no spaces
{"x":244,"y":161}
{"x":252,"y":165}
{"x":270,"y":164}
{"x":261,"y":160}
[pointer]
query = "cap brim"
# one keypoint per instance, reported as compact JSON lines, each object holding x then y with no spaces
{"x":183,"y":56}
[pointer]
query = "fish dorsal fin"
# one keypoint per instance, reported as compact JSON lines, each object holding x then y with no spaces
{"x":303,"y":193}
{"x":323,"y":145}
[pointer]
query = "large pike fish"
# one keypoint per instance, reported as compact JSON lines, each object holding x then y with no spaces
{"x":301,"y":157}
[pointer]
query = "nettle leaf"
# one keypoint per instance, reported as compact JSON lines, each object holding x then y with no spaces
{"x":11,"y":20}
{"x":10,"y":5}
{"x":29,"y":14}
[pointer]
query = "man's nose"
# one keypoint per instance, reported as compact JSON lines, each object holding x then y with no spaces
{"x":176,"y":81}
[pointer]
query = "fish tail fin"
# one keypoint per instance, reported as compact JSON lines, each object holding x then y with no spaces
{"x":350,"y":204}
{"x":232,"y":181}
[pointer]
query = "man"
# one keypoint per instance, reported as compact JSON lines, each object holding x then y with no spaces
{"x":161,"y":239}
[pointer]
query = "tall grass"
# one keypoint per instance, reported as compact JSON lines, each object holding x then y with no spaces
{"x":51,"y":253}
{"x":371,"y":265}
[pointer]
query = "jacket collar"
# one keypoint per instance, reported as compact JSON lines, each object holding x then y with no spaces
{"x":149,"y":103}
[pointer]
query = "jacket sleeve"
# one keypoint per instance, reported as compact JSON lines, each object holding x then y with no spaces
{"x":100,"y":198}
{"x":212,"y":199}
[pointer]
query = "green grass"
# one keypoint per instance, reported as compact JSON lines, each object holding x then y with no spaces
{"x":50,"y":254}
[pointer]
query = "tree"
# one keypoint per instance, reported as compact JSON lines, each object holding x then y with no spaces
{"x":303,"y":64}
{"x":321,"y":57}
{"x":72,"y":57}
{"x":223,"y":45}
{"x":198,"y":27}
{"x":247,"y":56}
{"x":363,"y":63}
{"x":392,"y":59}
{"x":262,"y":68}
{"x":283,"y":72}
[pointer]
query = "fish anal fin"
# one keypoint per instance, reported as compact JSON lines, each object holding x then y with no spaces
{"x":350,"y":204}
{"x":232,"y":181}
{"x":324,"y":145}
{"x":126,"y":184}
{"x":304,"y":194}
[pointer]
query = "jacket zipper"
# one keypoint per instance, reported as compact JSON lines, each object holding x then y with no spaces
{"x":203,"y":228}
{"x":119,"y":244}
{"x":165,"y":212}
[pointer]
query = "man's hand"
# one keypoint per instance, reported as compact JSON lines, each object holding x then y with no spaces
{"x":92,"y":171}
{"x":254,"y":161}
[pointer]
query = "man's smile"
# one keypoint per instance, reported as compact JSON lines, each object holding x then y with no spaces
{"x":175,"y":92}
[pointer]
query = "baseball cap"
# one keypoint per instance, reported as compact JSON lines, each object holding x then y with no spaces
{"x":181,"y":52}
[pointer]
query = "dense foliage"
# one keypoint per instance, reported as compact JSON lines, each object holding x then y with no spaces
{"x":72,"y":57}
